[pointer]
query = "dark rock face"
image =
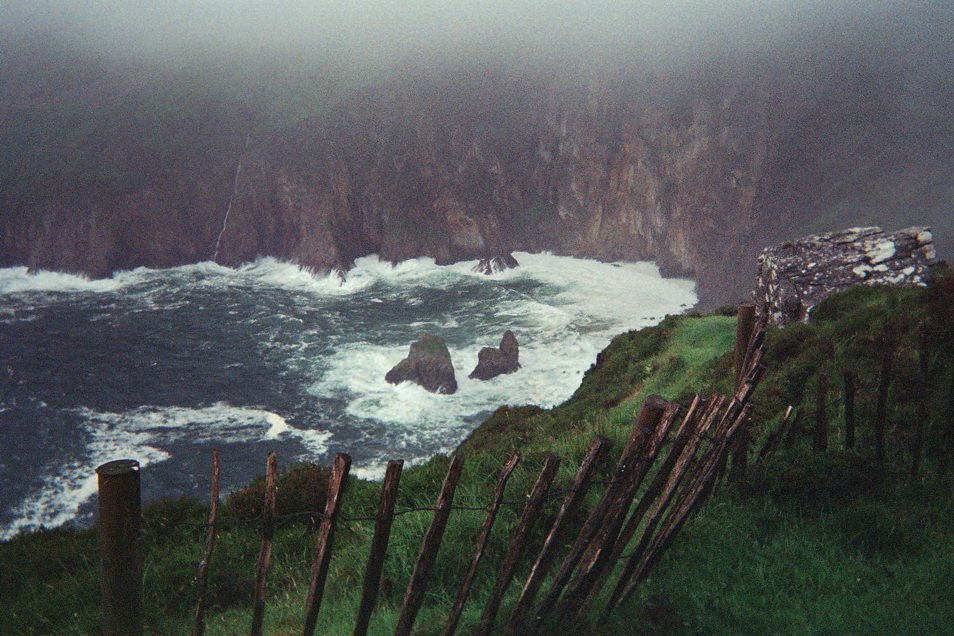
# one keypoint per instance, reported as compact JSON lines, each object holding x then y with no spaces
{"x":697,"y":170}
{"x":797,"y":275}
{"x":493,"y":362}
{"x":494,"y":264}
{"x":428,"y":364}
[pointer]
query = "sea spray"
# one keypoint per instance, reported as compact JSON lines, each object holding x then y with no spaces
{"x":164,"y":365}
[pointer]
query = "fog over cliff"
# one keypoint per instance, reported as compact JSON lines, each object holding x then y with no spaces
{"x":691,"y":135}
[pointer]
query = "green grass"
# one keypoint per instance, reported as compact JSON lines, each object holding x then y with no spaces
{"x":807,"y":544}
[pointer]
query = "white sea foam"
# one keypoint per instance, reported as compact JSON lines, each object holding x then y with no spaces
{"x":16,"y":280}
{"x":560,"y":328}
{"x":146,"y":434}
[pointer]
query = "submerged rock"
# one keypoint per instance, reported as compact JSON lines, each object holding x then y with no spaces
{"x":428,"y":364}
{"x":493,"y":362}
{"x":495,"y":264}
{"x":797,"y":275}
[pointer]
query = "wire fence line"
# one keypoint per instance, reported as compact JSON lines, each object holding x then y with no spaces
{"x":667,"y":467}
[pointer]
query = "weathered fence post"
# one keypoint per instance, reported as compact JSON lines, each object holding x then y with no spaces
{"x":520,"y":534}
{"x":649,"y":416}
{"x":414,"y":595}
{"x":849,"y":378}
{"x":745,"y":323}
{"x":120,"y":522}
{"x":489,"y":519}
{"x":198,"y":626}
{"x":599,"y":447}
{"x":925,"y":396}
{"x":881,"y":410}
{"x":820,"y":439}
{"x":326,"y":537}
{"x":379,"y":546}
{"x":744,"y":326}
{"x":265,"y":553}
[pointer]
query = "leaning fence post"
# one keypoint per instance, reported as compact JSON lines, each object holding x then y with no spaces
{"x":265,"y":553}
{"x":414,"y":595}
{"x":520,"y":535}
{"x":198,"y":627}
{"x":379,"y":545}
{"x":492,"y":508}
{"x":120,"y":520}
{"x":326,"y":537}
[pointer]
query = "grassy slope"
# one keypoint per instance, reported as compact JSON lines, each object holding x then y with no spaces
{"x":811,"y":544}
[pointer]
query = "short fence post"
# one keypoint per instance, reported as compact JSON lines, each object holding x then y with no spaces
{"x":922,"y":413}
{"x":820,"y":439}
{"x":881,"y":411}
{"x":744,"y":326}
{"x":849,"y":377}
{"x":120,"y":522}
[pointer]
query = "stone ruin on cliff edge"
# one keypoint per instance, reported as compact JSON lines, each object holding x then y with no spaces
{"x":797,"y":275}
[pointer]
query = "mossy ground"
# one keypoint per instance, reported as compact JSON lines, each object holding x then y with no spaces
{"x":810,"y":543}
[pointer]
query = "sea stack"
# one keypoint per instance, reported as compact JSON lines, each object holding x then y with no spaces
{"x":493,"y":362}
{"x":428,"y":363}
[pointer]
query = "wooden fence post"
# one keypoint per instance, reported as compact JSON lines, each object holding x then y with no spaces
{"x":849,"y":378}
{"x":326,"y":537}
{"x":414,"y":595}
{"x":520,"y":535}
{"x":482,"y":537}
{"x":820,"y":439}
{"x":598,"y":556}
{"x":265,"y":553}
{"x":379,"y":546}
{"x":198,"y":625}
{"x":744,"y":331}
{"x":925,"y":396}
{"x":650,"y":415}
{"x":120,"y":522}
{"x":599,"y":448}
{"x":881,"y":410}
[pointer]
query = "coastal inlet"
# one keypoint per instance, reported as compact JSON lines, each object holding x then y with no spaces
{"x":164,"y":365}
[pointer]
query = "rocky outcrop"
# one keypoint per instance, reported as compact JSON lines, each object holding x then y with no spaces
{"x":797,"y":275}
{"x":428,"y":364}
{"x":493,"y":362}
{"x":495,"y":264}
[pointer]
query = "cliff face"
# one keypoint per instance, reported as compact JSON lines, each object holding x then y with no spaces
{"x":697,"y":175}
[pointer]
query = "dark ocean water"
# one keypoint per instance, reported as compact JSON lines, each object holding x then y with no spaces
{"x":164,"y":365}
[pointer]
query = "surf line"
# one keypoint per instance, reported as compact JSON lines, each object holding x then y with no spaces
{"x":228,"y":210}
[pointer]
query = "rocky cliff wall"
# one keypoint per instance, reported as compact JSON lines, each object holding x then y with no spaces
{"x":697,"y":175}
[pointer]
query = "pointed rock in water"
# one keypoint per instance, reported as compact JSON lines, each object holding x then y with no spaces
{"x":493,"y":362}
{"x":428,"y":364}
{"x":495,"y":264}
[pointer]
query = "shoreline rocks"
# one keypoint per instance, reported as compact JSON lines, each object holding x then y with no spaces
{"x":428,"y":364}
{"x":492,"y":362}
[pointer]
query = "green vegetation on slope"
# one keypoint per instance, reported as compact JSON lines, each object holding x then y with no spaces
{"x":809,"y":543}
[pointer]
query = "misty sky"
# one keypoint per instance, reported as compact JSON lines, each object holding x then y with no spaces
{"x":386,"y":29}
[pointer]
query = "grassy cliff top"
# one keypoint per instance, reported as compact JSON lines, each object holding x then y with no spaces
{"x":807,"y":543}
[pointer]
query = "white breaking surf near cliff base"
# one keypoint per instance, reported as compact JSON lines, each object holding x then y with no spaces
{"x":298,"y":363}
